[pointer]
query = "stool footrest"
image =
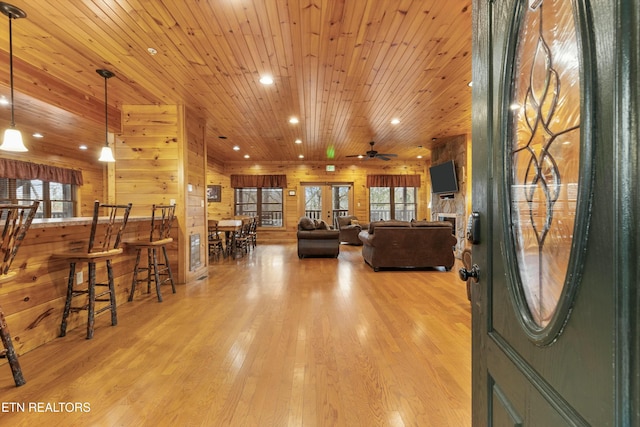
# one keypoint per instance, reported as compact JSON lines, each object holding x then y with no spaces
{"x":105,"y":295}
{"x":158,"y":273}
{"x":100,"y":310}
{"x":77,"y":293}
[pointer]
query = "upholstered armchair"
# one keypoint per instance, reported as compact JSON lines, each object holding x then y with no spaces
{"x":317,"y":239}
{"x":350,"y":227}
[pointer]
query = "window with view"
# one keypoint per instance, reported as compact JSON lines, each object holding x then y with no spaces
{"x":392,"y":203}
{"x":263,"y":203}
{"x":56,"y":199}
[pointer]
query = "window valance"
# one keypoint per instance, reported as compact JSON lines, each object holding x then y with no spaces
{"x":17,"y":169}
{"x":259,"y":181}
{"x":393,"y":181}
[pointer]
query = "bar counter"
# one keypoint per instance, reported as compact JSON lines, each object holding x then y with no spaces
{"x":34,"y":301}
{"x":80,"y":220}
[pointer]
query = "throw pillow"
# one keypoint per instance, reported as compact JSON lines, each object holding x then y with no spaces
{"x":306,"y":223}
{"x":321,"y":225}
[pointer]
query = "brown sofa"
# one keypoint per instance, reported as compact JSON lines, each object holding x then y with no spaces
{"x":403,"y":244}
{"x":350,"y":227}
{"x":317,"y":239}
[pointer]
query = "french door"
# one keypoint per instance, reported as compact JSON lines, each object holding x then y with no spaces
{"x":327,"y":201}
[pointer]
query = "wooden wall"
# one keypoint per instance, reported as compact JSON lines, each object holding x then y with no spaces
{"x":148,"y":157}
{"x":159,"y":157}
{"x":195,"y":167}
{"x":298,"y":173}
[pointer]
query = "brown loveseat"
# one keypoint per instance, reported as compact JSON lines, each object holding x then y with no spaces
{"x":316,"y":239}
{"x":403,"y":244}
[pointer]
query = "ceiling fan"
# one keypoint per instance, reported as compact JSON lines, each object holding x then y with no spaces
{"x":373,"y":154}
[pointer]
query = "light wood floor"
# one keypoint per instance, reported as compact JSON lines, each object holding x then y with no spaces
{"x":266,"y":340}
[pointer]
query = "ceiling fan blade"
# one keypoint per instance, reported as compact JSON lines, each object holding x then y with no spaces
{"x":388,"y":155}
{"x":382,"y":157}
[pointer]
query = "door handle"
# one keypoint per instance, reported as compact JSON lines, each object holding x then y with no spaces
{"x":474,"y":273}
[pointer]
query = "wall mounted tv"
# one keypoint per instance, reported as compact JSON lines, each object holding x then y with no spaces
{"x":443,"y":178}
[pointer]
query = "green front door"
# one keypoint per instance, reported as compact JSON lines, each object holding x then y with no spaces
{"x":555,"y":171}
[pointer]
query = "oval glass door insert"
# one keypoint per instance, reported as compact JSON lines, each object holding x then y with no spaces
{"x":543,"y":160}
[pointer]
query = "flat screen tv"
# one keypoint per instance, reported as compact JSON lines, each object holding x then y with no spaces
{"x":443,"y":178}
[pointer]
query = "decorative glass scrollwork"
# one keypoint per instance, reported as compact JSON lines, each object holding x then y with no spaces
{"x":543,"y":159}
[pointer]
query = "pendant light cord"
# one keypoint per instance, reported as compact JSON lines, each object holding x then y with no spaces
{"x":13,"y":122}
{"x":106,"y":117}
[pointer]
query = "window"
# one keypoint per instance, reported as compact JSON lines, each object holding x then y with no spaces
{"x":382,"y":206}
{"x":264,"y":203}
{"x":56,"y":200}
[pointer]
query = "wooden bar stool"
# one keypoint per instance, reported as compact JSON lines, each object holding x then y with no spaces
{"x":14,"y":222}
{"x":162,"y":217}
{"x":92,"y":253}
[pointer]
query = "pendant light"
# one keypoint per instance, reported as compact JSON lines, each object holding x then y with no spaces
{"x":12,"y":140}
{"x":106,"y":155}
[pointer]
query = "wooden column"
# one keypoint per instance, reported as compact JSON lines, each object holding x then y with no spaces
{"x":158,"y":160}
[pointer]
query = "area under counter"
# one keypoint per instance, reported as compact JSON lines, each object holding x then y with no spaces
{"x":33,"y":302}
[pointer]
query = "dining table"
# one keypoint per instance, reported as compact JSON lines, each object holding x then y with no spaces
{"x":229,"y":227}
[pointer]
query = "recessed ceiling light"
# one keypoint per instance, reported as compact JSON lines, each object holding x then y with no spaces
{"x":4,"y":100}
{"x":236,"y":148}
{"x":152,"y":51}
{"x":470,"y":84}
{"x":395,"y":121}
{"x":246,"y":156}
{"x":38,"y":135}
{"x":294,"y":120}
{"x":266,"y":80}
{"x":301,"y":156}
{"x":418,"y":156}
{"x":360,"y":156}
{"x":83,"y":147}
{"x":298,"y":141}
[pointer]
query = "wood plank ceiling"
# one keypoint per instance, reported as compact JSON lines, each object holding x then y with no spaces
{"x":345,"y":68}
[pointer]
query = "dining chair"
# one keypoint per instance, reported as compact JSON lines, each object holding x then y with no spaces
{"x":242,"y":240}
{"x":216,"y":245}
{"x":253,"y":231}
